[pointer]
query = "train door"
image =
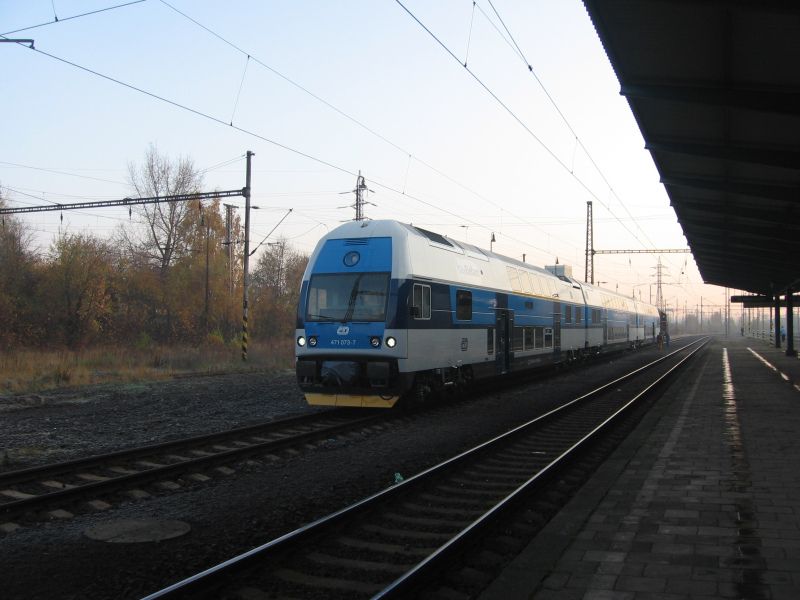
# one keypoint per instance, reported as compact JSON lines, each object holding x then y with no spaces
{"x":504,"y":325}
{"x":556,"y":329}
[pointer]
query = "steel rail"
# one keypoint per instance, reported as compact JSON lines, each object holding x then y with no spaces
{"x":423,"y":569}
{"x":70,"y":494}
{"x":48,"y":470}
{"x":207,"y":578}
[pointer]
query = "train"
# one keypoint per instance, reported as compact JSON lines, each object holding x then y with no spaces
{"x":389,"y":311}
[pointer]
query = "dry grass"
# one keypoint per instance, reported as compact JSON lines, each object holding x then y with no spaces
{"x":36,"y":370}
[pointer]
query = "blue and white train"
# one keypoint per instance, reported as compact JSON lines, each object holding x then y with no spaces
{"x":388,"y":310}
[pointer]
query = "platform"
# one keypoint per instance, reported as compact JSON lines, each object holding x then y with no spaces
{"x":701,"y":501}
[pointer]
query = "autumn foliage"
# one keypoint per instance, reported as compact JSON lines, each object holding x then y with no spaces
{"x":167,"y":277}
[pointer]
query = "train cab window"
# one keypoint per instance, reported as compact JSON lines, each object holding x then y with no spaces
{"x":421,"y":301}
{"x":463,"y":305}
{"x":548,"y":338}
{"x":490,"y":340}
{"x":348,"y":297}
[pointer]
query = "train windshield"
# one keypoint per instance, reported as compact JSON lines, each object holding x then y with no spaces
{"x":348,"y":297}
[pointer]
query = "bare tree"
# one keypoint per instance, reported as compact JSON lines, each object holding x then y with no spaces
{"x":167,"y":237}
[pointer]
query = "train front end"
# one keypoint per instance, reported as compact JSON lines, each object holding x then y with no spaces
{"x":347,"y":343}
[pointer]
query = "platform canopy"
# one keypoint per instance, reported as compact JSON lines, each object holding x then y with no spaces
{"x":715,"y":89}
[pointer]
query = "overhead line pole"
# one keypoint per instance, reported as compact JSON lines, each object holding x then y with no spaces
{"x":590,"y":251}
{"x":246,"y":274}
{"x":588,"y":276}
{"x":245,"y":191}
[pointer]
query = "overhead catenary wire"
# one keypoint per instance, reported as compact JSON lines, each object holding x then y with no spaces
{"x":194,"y":111}
{"x":224,"y":163}
{"x":256,"y":135}
{"x":469,"y":37}
{"x":271,"y":231}
{"x":57,"y":172}
{"x":514,"y":116}
{"x":305,"y":90}
{"x":508,"y":37}
{"x":331,"y":106}
{"x":330,"y":165}
{"x":239,"y":92}
{"x":78,"y":16}
{"x":578,"y":140}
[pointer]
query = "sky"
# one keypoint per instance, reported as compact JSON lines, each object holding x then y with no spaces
{"x":321,"y":91}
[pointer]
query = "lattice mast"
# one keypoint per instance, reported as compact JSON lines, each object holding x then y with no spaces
{"x":589,"y":274}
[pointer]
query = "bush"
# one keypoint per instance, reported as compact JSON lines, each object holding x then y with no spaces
{"x":215,"y":339}
{"x":143,"y":341}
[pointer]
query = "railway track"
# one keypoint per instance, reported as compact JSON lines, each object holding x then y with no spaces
{"x":86,"y":483}
{"x":394,"y":543}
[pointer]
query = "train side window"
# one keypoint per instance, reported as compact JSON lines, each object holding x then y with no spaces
{"x":548,"y":338}
{"x":538,"y":337}
{"x":490,"y":340}
{"x":463,"y":305}
{"x":517,"y":341}
{"x":421,"y":301}
{"x":525,"y":280}
{"x":578,"y":315}
{"x":567,"y":314}
{"x":528,"y":338}
{"x":513,"y":279}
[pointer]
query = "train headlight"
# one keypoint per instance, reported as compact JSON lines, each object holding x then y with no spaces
{"x":301,"y":341}
{"x":312,"y":341}
{"x":391,"y":342}
{"x":374,"y":341}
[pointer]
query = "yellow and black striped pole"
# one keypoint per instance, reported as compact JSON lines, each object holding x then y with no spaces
{"x":246,"y":269}
{"x":244,"y":334}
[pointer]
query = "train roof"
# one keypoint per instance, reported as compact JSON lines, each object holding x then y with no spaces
{"x":430,"y":255}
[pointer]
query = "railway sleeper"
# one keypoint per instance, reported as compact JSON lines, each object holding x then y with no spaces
{"x":512,"y":455}
{"x":500,"y":467}
{"x":455,"y":499}
{"x":498,"y":487}
{"x":327,"y":583}
{"x":450,"y":525}
{"x":466,"y":491}
{"x":384,"y":548}
{"x":56,"y":485}
{"x":491,"y":476}
{"x":407,"y":534}
{"x":445,"y":511}
{"x":356,"y":564}
{"x":522,"y":470}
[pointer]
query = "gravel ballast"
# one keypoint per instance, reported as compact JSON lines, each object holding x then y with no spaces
{"x":230,"y":513}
